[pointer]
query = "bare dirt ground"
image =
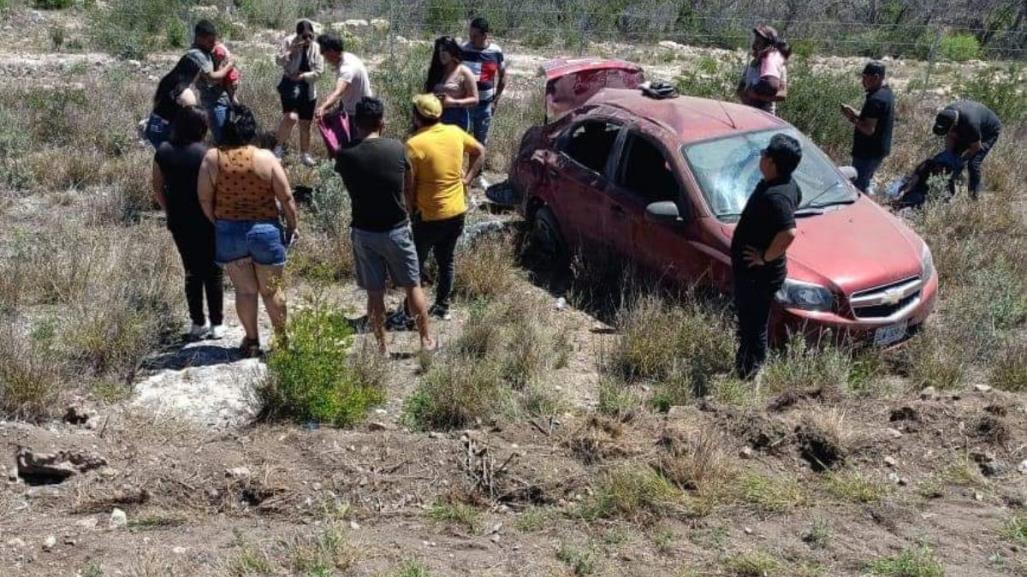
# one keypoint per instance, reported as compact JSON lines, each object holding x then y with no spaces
{"x":176,"y":480}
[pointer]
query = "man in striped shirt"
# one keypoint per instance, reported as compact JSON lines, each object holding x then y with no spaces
{"x":485,"y":59}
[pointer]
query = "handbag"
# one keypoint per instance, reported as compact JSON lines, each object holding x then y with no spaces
{"x":334,"y":129}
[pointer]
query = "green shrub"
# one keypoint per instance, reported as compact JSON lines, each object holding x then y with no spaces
{"x":757,"y":564}
{"x":30,"y":374}
{"x":1009,"y":369}
{"x":52,"y":4}
{"x":960,"y":47}
{"x":444,"y":16}
{"x":682,"y":345}
{"x":396,"y":81}
{"x":632,"y":492}
{"x":812,"y":105}
{"x":1003,"y":92}
{"x":802,"y":367}
{"x":455,"y":393}
{"x":275,"y":14}
{"x":909,"y":563}
{"x":312,"y":379}
{"x":712,"y":78}
{"x":133,"y":28}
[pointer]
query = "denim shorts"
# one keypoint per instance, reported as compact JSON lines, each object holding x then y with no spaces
{"x":260,"y":240}
{"x":378,"y":253}
{"x":157,"y":130}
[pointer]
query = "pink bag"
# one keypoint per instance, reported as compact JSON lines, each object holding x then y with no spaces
{"x":334,"y":130}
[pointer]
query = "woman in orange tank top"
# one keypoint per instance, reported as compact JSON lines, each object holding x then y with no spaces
{"x":241,"y":189}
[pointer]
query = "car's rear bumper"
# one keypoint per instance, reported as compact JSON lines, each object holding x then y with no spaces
{"x":786,"y":321}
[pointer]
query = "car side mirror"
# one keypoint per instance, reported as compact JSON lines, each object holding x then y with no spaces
{"x":848,"y":172}
{"x":664,"y":212}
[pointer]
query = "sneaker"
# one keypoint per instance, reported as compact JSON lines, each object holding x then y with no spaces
{"x":400,"y":321}
{"x":197,"y":332}
{"x":217,"y":332}
{"x":249,"y":349}
{"x":482,"y":183}
{"x":279,"y":151}
{"x":440,"y":312}
{"x":308,"y":160}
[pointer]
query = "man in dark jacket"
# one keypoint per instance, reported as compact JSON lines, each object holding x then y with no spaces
{"x":975,"y":130}
{"x":872,"y":134}
{"x":765,"y":231}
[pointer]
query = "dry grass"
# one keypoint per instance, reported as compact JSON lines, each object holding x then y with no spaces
{"x":486,"y":268}
{"x":698,"y":463}
{"x":855,"y":487}
{"x":31,"y":374}
{"x":1009,"y":371}
{"x":635,"y":493}
{"x":826,"y":438}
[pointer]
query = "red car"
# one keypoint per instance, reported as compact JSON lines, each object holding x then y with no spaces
{"x":662,"y":181}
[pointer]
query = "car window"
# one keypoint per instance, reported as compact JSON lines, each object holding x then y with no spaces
{"x":728,"y":170}
{"x":645,"y":172}
{"x":590,"y":143}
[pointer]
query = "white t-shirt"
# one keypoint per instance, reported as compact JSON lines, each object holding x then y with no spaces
{"x":352,"y":70}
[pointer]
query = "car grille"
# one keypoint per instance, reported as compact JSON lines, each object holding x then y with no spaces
{"x":889,"y":302}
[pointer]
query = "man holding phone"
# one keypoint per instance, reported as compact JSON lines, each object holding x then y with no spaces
{"x":872,"y":136}
{"x":302,"y":66}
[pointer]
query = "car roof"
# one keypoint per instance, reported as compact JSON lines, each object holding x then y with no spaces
{"x":692,"y":119}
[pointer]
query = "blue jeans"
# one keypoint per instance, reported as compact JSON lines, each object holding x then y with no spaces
{"x":217,"y":116}
{"x":481,"y":121}
{"x":158,"y":130}
{"x":865,"y":169}
{"x":975,"y":166}
{"x":260,"y":240}
{"x":456,"y":117}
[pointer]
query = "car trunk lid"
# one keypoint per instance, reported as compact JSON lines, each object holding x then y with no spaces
{"x":571,"y":82}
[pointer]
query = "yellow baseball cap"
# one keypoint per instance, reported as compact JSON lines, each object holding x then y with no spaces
{"x":428,"y":105}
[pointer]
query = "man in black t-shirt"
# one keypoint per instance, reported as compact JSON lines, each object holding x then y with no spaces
{"x":374,"y":170}
{"x":765,"y":231}
{"x":975,"y":129}
{"x":871,"y":140}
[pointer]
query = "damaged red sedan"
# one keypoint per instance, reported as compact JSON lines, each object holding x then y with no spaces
{"x":662,"y":181}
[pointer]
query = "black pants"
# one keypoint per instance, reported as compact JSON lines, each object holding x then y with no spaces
{"x":196,"y":247}
{"x":753,"y":297}
{"x":439,"y":237}
{"x":974,"y":166}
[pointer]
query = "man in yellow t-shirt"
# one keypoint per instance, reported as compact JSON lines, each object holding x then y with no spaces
{"x":436,"y":190}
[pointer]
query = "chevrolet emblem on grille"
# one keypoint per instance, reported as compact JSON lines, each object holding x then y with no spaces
{"x":892,"y":297}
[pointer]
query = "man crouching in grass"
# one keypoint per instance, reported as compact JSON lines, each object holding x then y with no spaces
{"x":374,"y":172}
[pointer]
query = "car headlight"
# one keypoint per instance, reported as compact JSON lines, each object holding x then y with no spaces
{"x":926,"y":263}
{"x":804,"y":295}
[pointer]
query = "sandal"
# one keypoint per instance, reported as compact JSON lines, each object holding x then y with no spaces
{"x":249,"y":348}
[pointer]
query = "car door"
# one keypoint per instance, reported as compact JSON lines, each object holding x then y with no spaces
{"x":647,"y":172}
{"x":579,"y":177}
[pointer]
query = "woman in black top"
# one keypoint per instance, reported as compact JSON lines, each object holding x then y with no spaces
{"x":170,"y":99}
{"x":176,"y":167}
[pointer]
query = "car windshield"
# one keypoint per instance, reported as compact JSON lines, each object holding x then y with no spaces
{"x":728,"y":170}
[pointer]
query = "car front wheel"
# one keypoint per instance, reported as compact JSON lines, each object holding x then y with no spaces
{"x":547,"y":244}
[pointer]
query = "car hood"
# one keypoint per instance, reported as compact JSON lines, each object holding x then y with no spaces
{"x":854,"y":247}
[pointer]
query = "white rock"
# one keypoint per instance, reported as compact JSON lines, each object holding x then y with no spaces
{"x":982,"y":388}
{"x":118,"y":519}
{"x":179,"y":550}
{"x":928,"y":393}
{"x":49,"y":543}
{"x":890,"y":461}
{"x":894,"y":433}
{"x":238,"y":473}
{"x":380,"y":24}
{"x":354,"y":525}
{"x":1022,"y":467}
{"x":87,"y":523}
{"x":15,"y":543}
{"x":894,"y":478}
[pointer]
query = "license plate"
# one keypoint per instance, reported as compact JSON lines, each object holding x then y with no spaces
{"x":885,"y":336}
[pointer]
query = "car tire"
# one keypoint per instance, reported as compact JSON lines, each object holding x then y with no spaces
{"x":546,"y":240}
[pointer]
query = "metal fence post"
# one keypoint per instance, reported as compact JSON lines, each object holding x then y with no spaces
{"x":931,"y":57}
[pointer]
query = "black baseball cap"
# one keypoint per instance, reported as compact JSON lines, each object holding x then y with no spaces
{"x":944,"y":122}
{"x":874,"y":68}
{"x":785,"y":151}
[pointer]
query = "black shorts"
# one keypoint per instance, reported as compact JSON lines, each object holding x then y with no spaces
{"x":303,"y":107}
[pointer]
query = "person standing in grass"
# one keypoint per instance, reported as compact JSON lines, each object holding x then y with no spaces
{"x":352,"y":83}
{"x":974,"y":129}
{"x":302,"y":64}
{"x":764,"y":82}
{"x":240,"y":187}
{"x":176,"y":168}
{"x":174,"y":93}
{"x":374,"y":171}
{"x":871,"y":140}
{"x":761,"y":239}
{"x":452,"y":82}
{"x":214,"y":94}
{"x":437,"y":191}
{"x":485,"y":59}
